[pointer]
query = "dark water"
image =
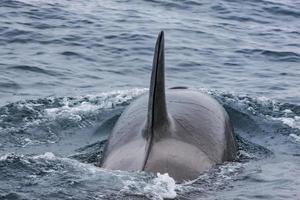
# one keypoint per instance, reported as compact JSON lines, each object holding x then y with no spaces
{"x":69,"y":68}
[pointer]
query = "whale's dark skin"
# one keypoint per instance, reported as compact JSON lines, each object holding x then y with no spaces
{"x":178,"y":131}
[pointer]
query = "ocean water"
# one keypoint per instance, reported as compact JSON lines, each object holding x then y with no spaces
{"x":69,"y":68}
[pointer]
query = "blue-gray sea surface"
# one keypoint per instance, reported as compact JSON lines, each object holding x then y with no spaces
{"x":69,"y":68}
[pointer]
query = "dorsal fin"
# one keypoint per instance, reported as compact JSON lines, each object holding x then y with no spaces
{"x":157,"y":109}
{"x":157,"y":117}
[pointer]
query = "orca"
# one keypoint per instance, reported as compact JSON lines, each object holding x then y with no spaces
{"x":177,"y":131}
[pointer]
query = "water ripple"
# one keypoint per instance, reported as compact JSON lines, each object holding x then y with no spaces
{"x":35,"y":69}
{"x":286,"y":56}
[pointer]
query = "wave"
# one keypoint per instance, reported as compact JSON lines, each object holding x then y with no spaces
{"x":45,"y":120}
{"x":48,"y":170}
{"x":286,"y":56}
{"x":36,"y":122}
{"x":35,"y":69}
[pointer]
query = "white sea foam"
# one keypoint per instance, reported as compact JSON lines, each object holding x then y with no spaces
{"x":27,"y":141}
{"x":163,"y":187}
{"x":243,"y":101}
{"x":245,"y":154}
{"x":107,"y":100}
{"x":11,"y":156}
{"x":287,"y":111}
{"x":89,"y":168}
{"x":295,"y":137}
{"x":47,"y":155}
{"x":293,"y":122}
{"x":227,"y":172}
{"x":5,"y":156}
{"x":160,"y":187}
{"x":70,"y":111}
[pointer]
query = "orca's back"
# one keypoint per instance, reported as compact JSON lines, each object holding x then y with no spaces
{"x":201,"y":120}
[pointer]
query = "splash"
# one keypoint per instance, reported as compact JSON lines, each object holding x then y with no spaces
{"x":73,"y":107}
{"x":156,"y":188}
{"x":53,"y":115}
{"x":295,"y":137}
{"x":163,"y":187}
{"x":293,"y":122}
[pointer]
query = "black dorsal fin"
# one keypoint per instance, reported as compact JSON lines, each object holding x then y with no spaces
{"x":157,"y":117}
{"x":157,"y":109}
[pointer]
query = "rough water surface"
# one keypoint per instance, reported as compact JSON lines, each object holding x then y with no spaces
{"x":69,"y":68}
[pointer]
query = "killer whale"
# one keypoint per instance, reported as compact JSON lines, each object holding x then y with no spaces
{"x":176,"y":131}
